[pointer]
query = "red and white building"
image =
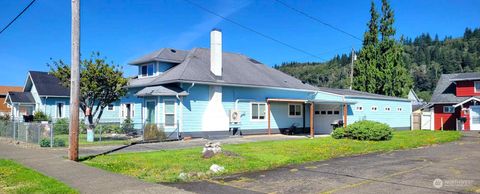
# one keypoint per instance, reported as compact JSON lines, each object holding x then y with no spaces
{"x":456,"y":102}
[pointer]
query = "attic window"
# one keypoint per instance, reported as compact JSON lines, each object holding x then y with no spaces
{"x":173,"y":50}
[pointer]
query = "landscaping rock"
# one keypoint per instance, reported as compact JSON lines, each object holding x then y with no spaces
{"x":215,"y":147}
{"x":216,"y":168}
{"x":208,"y":154}
{"x":183,"y":176}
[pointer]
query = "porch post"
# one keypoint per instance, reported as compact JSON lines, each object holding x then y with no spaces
{"x":311,"y":120}
{"x":345,"y":115}
{"x":268,"y":118}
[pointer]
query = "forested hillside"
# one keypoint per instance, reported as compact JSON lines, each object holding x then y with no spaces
{"x":425,"y":56}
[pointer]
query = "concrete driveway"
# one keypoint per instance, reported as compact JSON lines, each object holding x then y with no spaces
{"x":455,"y":167}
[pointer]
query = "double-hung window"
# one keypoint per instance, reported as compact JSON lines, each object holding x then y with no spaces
{"x":448,"y":109}
{"x":169,"y":113}
{"x":147,"y":70}
{"x":477,"y":86}
{"x":258,"y":111}
{"x":60,"y":110}
{"x":295,"y":110}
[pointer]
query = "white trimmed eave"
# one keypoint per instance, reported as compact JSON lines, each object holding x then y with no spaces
{"x":465,"y":101}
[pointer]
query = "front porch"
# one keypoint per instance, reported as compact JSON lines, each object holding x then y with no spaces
{"x":318,"y":116}
{"x":22,"y":105}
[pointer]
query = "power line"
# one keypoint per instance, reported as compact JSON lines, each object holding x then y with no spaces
{"x":318,"y":20}
{"x":23,"y":11}
{"x":254,"y":31}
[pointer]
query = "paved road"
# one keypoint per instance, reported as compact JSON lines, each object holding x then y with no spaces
{"x":81,"y":177}
{"x":457,"y":164}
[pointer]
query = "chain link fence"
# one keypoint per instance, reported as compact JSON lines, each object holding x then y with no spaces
{"x":47,"y":134}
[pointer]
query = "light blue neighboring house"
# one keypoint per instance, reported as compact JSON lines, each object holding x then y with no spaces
{"x":203,"y":92}
{"x":43,"y":92}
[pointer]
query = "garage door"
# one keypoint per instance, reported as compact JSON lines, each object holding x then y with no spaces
{"x":324,"y":116}
{"x":475,"y":118}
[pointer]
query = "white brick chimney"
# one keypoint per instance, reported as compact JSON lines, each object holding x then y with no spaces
{"x":216,"y":52}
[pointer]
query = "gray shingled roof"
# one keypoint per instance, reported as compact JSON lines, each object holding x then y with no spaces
{"x":445,"y":91}
{"x":237,"y":70}
{"x":48,"y":85}
{"x":466,"y":76}
{"x":165,"y":90}
{"x":21,"y":97}
{"x":164,"y":55}
{"x":355,"y":93}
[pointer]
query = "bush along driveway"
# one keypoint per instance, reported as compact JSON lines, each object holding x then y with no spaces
{"x":166,"y":166}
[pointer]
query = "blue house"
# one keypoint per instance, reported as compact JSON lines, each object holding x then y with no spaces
{"x":203,"y":92}
{"x":43,"y":92}
{"x":207,"y":91}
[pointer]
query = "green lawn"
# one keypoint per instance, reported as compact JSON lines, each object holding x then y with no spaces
{"x":165,"y":166}
{"x":15,"y":178}
{"x":106,"y":140}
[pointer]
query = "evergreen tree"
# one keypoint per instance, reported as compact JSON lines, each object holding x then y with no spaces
{"x":394,"y":79}
{"x":365,"y":71}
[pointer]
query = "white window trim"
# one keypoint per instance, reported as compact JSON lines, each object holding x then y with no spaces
{"x":113,"y":109}
{"x":145,"y":110}
{"x":376,"y":108}
{"x":448,"y":111}
{"x":251,"y":113}
{"x":295,"y":116}
{"x":387,"y":109}
{"x":361,"y":108}
{"x":155,"y":70}
{"x":475,"y":87}
{"x":56,"y":109}
{"x":174,"y":113}
{"x":399,"y":109}
{"x":123,"y":109}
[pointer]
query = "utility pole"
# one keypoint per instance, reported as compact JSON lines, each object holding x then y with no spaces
{"x":354,"y":57}
{"x":74,"y":82}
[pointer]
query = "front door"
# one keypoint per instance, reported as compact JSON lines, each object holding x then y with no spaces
{"x":474,"y":117}
{"x":150,"y":112}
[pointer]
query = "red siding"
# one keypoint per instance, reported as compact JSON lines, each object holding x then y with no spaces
{"x":448,"y":119}
{"x":466,"y":88}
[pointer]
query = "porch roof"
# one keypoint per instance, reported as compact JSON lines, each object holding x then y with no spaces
{"x":20,"y":97}
{"x":162,"y":90}
{"x":467,"y":100}
{"x":315,"y":101}
{"x":319,"y":101}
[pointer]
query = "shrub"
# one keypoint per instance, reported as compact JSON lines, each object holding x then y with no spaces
{"x":45,"y":142}
{"x":127,"y":126}
{"x":5,"y":117}
{"x":61,"y":126}
{"x":365,"y":130}
{"x":40,"y":116}
{"x":339,"y":133}
{"x":57,"y":142}
{"x":152,"y":133}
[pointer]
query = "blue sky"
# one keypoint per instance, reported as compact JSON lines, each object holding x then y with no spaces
{"x":124,"y":30}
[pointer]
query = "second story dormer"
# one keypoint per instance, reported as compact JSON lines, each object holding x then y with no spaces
{"x":467,"y":84}
{"x":158,"y":62}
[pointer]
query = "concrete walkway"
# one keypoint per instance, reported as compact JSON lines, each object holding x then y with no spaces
{"x":81,"y":177}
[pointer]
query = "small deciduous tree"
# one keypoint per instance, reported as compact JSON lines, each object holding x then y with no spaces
{"x":101,"y":83}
